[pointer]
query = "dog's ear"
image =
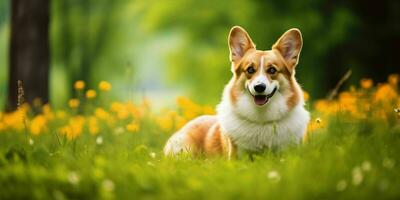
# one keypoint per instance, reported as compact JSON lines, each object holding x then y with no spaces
{"x":289,"y":46}
{"x":239,"y":42}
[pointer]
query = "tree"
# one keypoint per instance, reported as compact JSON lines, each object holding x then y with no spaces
{"x":29,"y":51}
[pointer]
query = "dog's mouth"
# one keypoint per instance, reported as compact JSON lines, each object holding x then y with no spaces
{"x":263,"y":99}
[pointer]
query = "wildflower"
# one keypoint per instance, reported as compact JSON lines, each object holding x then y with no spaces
{"x":47,"y":112}
{"x":116,"y":106}
{"x":101,"y":114}
{"x":397,"y":110}
{"x":104,"y":86}
{"x":133,"y":110}
{"x":90,"y":94}
{"x":366,"y":83}
{"x":67,"y":130}
{"x":274,"y":176}
{"x":74,"y":128}
{"x":393,"y":80}
{"x":31,"y":142}
{"x":77,"y":123}
{"x":384,"y":93}
{"x":2,"y":126}
{"x":79,"y":85}
{"x":357,"y":176}
{"x":73,"y":103}
{"x":179,"y":122}
{"x":189,"y":108}
{"x":341,"y":185}
{"x":132,"y":127}
{"x":208,"y":110}
{"x":165,"y":122}
{"x":348,"y":102}
{"x":99,"y":140}
{"x":38,"y":125}
{"x":93,"y":125}
{"x":15,"y":120}
{"x":122,"y":114}
{"x":326,"y":107}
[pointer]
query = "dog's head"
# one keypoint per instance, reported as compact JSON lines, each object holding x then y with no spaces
{"x":265,"y":75}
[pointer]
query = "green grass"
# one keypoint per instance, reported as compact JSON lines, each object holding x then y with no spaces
{"x":349,"y":159}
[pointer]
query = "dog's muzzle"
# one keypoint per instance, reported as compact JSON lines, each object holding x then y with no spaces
{"x":260,"y":100}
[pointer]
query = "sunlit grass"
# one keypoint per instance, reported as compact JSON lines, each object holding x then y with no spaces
{"x":99,"y":148}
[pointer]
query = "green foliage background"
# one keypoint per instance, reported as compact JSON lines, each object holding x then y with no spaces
{"x":180,"y":46}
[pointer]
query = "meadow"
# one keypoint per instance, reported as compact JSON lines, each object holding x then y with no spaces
{"x":98,"y":148}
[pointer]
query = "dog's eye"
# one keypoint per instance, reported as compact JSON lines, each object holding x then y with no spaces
{"x":250,"y":70}
{"x":271,"y":70}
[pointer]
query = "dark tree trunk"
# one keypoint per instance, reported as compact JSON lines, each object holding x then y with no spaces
{"x":29,"y":51}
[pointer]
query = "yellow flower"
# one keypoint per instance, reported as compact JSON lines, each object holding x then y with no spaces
{"x":79,"y":85}
{"x":122,"y":114}
{"x":47,"y":111}
{"x":67,"y":130}
{"x":90,"y":94}
{"x":74,"y":127}
{"x":133,"y":110}
{"x":73,"y":103}
{"x":189,"y":108}
{"x":366,"y":83}
{"x":393,"y":80}
{"x":313,"y":126}
{"x":348,"y":102}
{"x":93,"y":125}
{"x":101,"y":114}
{"x":179,"y":122}
{"x":116,"y":106}
{"x":326,"y":107}
{"x":132,"y":127}
{"x":165,"y":122}
{"x":2,"y":126}
{"x":104,"y":86}
{"x":208,"y":110}
{"x":38,"y":125}
{"x":16,"y":120}
{"x":385,"y":93}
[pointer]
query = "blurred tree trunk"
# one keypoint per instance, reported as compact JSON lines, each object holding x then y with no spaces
{"x":29,"y":51}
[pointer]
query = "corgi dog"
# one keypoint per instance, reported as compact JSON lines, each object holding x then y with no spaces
{"x":262,"y":106}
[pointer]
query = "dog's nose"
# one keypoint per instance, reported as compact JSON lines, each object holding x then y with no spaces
{"x":259,"y":87}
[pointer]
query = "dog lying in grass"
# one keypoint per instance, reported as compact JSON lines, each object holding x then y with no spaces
{"x":262,"y":105}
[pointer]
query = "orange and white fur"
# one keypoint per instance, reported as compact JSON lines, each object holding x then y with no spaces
{"x":262,"y":105}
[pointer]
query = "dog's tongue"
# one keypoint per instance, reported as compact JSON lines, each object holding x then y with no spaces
{"x":260,"y":99}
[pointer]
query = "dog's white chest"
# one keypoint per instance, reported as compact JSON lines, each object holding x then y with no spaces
{"x":256,"y":136}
